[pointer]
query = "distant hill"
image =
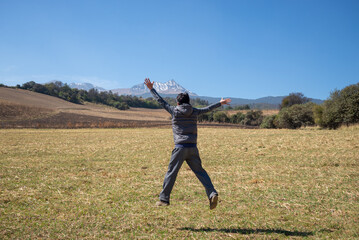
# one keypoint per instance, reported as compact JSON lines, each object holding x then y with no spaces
{"x":259,"y":103}
{"x":171,"y":89}
{"x":81,"y":86}
{"x":264,"y":100}
{"x":85,"y":86}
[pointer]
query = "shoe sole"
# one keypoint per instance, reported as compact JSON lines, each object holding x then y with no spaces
{"x":162,"y":204}
{"x":213,"y":202}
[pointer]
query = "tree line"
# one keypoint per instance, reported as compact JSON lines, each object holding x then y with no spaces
{"x":341,"y":108}
{"x":296,"y":110}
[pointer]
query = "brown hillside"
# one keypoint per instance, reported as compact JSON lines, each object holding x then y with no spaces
{"x":25,"y":109}
{"x":12,"y":111}
{"x":28,"y":98}
{"x":22,"y":108}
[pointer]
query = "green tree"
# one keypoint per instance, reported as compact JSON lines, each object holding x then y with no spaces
{"x":39,"y":88}
{"x":28,"y":85}
{"x":292,"y":99}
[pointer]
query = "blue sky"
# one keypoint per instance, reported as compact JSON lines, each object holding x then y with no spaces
{"x":236,"y":48}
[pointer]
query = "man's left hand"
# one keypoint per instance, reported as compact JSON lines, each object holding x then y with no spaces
{"x":225,"y":101}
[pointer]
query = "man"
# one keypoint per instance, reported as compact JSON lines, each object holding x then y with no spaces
{"x":184,"y":126}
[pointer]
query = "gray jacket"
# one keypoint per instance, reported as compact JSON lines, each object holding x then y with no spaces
{"x":184,"y":119}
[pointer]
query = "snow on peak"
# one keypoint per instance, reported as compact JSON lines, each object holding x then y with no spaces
{"x":169,"y":87}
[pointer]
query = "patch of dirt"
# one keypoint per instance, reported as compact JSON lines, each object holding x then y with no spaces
{"x":14,"y":112}
{"x":72,"y":120}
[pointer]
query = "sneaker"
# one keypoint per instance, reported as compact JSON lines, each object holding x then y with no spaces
{"x":213,"y":202}
{"x":162,"y":203}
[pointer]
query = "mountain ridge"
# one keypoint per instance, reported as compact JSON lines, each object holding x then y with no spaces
{"x":164,"y":89}
{"x":172,"y":88}
{"x":80,"y":86}
{"x":169,"y":87}
{"x":85,"y":86}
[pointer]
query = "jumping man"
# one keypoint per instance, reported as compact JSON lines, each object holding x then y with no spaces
{"x":184,"y":126}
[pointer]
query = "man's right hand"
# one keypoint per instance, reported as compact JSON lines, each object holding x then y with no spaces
{"x":148,"y":83}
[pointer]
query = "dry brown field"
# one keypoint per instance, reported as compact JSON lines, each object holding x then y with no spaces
{"x":25,"y":109}
{"x":21,"y":108}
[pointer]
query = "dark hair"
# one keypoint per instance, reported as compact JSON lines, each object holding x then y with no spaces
{"x":182,"y":98}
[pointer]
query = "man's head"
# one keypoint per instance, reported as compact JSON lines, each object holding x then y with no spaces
{"x":182,"y":98}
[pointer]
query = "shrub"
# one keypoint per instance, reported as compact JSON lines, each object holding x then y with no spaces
{"x":268,"y":122}
{"x":341,"y":108}
{"x":237,"y":118}
{"x":253,"y":118}
{"x":207,"y":117}
{"x":295,"y":116}
{"x":122,"y":106}
{"x":220,"y":117}
{"x":318,"y":115}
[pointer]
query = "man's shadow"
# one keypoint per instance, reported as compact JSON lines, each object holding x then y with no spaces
{"x":249,"y":231}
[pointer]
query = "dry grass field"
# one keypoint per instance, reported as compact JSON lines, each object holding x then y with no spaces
{"x":103,"y":183}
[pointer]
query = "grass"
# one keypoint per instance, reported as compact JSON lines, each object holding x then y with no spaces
{"x":103,"y":183}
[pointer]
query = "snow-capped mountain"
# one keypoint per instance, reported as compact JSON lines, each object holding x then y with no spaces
{"x":85,"y":86}
{"x":170,"y":87}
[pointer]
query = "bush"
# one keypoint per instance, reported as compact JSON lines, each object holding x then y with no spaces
{"x":318,"y":115}
{"x":220,"y":117}
{"x":253,"y":118}
{"x":268,"y":122}
{"x":122,"y":106}
{"x":207,"y":117}
{"x":341,"y":108}
{"x":295,"y":116}
{"x":237,"y":118}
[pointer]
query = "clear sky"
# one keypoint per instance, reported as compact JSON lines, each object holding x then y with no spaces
{"x":219,"y":48}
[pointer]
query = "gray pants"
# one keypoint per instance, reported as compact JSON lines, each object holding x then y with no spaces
{"x":193,"y":160}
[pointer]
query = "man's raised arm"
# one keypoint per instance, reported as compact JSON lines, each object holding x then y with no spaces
{"x":159,"y":99}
